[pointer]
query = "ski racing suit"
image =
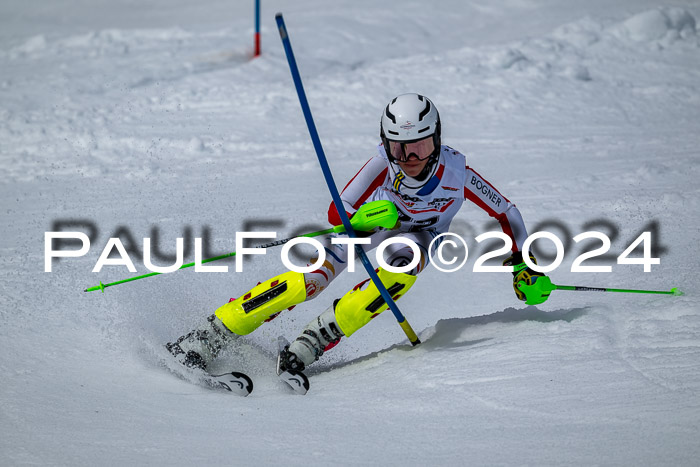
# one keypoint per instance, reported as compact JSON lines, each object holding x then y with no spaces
{"x":424,"y":214}
{"x":425,"y":211}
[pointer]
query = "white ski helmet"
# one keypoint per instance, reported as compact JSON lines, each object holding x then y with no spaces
{"x":409,"y":117}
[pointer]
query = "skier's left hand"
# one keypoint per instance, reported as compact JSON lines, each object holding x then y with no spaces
{"x":530,"y":286}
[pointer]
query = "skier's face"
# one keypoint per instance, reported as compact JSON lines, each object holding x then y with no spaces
{"x":413,"y":166}
{"x":412,"y":156}
{"x":420,"y":149}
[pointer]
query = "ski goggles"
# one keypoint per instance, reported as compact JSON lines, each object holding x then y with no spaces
{"x":402,"y":150}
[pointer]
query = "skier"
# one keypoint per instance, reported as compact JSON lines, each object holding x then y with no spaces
{"x":427,"y":182}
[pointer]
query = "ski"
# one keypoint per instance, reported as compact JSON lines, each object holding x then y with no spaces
{"x":295,"y":379}
{"x":235,"y":382}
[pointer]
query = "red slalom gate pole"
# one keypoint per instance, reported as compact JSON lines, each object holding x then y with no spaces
{"x":257,"y":28}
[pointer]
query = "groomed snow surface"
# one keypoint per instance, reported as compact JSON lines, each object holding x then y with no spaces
{"x":137,"y":119}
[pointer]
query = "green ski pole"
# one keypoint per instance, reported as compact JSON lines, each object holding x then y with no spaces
{"x":369,"y":216}
{"x":539,"y":291}
{"x":673,"y":291}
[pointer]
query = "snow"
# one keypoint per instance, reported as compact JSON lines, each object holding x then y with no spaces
{"x":658,"y":24}
{"x":150,"y":119}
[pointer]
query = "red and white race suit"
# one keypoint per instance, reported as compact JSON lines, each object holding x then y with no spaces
{"x":424,"y":213}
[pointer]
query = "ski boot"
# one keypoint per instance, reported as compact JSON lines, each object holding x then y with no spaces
{"x":348,"y":314}
{"x":200,"y":347}
{"x":320,"y":335}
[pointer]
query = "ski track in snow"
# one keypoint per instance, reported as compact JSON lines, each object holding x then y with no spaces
{"x":134,"y":117}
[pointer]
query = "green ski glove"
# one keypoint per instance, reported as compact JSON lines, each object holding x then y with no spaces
{"x":530,"y":286}
{"x":370,"y":216}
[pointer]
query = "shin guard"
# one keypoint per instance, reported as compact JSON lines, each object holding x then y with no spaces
{"x":245,"y":314}
{"x":360,"y":305}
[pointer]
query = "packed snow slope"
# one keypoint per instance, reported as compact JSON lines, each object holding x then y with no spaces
{"x":137,"y":119}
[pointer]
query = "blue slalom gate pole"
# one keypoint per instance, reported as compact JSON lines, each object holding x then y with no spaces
{"x":412,"y":337}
